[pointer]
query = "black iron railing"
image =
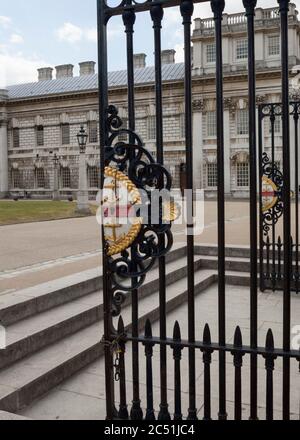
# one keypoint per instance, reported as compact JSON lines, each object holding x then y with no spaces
{"x":127,"y":157}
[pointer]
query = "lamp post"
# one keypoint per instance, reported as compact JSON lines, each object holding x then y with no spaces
{"x":83,"y":195}
{"x":55,"y":195}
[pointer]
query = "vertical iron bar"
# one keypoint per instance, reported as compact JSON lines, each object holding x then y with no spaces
{"x":279,"y":259}
{"x":268,"y":257}
{"x":177,"y":349}
{"x":296,"y":124}
{"x":149,"y":372}
{"x":250,"y":13}
{"x":157,"y":14}
{"x":238,"y":363}
{"x":207,"y":352}
{"x":123,"y":412}
{"x":103,"y":105}
{"x":284,"y":9}
{"x":273,"y":274}
{"x":129,"y":18}
{"x":187,"y":9}
{"x":261,"y":233}
{"x":269,"y":363}
{"x":218,"y":9}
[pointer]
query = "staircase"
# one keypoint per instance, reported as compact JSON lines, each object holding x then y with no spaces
{"x":54,"y":330}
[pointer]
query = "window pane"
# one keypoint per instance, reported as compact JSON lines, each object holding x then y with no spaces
{"x":274,"y":45}
{"x":16,"y":138}
{"x":93,"y":135}
{"x":211,"y":53}
{"x":242,"y":122}
{"x":65,"y":178}
{"x":277,"y":126}
{"x":94,"y":177}
{"x":242,"y":174}
{"x":212,"y":175}
{"x":152,"y":127}
{"x":40,"y":136}
{"x":65,"y":134}
{"x":211,"y":127}
{"x":40,"y":177}
{"x":16,"y":179}
{"x":123,"y":137}
{"x":241,"y":49}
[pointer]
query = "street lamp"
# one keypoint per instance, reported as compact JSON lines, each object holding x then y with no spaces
{"x":55,"y":159}
{"x":83,"y":195}
{"x":82,"y":138}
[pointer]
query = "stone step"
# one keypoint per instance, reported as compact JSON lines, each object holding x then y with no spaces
{"x":36,"y":374}
{"x":32,"y":334}
{"x":24,"y":303}
{"x":236,"y":264}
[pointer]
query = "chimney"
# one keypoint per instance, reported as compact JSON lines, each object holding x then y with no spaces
{"x":45,"y":74}
{"x":87,"y":68}
{"x":168,"y":56}
{"x":64,"y":71}
{"x":139,"y":60}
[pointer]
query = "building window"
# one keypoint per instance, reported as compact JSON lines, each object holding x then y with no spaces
{"x":40,"y":136}
{"x":123,"y":137}
{"x":16,"y":138}
{"x":211,"y":53}
{"x":94,"y":177}
{"x":242,"y":173}
{"x":277,"y":126}
{"x":151,"y":127}
{"x":16,"y":179}
{"x":182,"y":126}
{"x":40,"y":177}
{"x":212,"y":175}
{"x":65,"y":177}
{"x":65,"y":134}
{"x":242,"y":122}
{"x":211,"y":127}
{"x":93,"y":132}
{"x":274,"y":45}
{"x":241,"y":49}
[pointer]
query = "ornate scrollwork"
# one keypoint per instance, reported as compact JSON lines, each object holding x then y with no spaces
{"x":128,"y":269}
{"x":273,"y":181}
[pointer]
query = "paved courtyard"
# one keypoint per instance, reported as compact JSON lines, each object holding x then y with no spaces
{"x":36,"y":253}
{"x":82,"y":396}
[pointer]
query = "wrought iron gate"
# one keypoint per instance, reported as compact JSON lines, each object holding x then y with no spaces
{"x":126,"y":264}
{"x":271,"y":149}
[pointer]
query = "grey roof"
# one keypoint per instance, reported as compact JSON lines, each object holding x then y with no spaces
{"x":90,"y":82}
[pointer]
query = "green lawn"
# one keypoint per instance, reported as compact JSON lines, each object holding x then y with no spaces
{"x":12,"y":212}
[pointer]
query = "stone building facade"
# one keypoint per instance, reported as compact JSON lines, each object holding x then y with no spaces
{"x":39,"y":121}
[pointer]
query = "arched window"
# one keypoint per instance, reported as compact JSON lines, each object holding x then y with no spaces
{"x":94,"y":177}
{"x":65,"y":177}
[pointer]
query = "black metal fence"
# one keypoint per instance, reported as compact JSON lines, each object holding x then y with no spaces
{"x":134,"y":263}
{"x":271,"y":150}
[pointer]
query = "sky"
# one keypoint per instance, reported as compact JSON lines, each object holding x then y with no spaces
{"x":36,"y":33}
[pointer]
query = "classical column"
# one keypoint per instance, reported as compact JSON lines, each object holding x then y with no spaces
{"x":198,"y":143}
{"x":3,"y":144}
